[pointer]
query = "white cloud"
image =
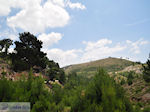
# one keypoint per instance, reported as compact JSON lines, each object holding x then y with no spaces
{"x":95,"y":50}
{"x":5,"y":7}
{"x":50,"y":39}
{"x":94,"y":45}
{"x":59,"y":2}
{"x":92,"y":51}
{"x":8,"y":34}
{"x":135,"y":46}
{"x":12,"y":36}
{"x":100,"y":49}
{"x":36,"y":18}
{"x":35,"y":15}
{"x":75,"y":5}
{"x":11,"y":49}
{"x":64,"y":57}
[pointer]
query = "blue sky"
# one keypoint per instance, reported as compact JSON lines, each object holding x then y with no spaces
{"x":76,"y":31}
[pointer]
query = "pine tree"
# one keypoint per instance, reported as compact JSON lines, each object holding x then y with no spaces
{"x":28,"y":53}
{"x":146,"y":72}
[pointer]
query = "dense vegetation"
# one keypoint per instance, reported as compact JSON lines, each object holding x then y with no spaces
{"x":74,"y":93}
{"x":146,"y":71}
{"x":27,"y":54}
{"x":78,"y":94}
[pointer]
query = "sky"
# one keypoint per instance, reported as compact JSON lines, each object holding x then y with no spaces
{"x":77,"y":31}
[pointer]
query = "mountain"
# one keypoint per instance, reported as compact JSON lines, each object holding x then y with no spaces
{"x":136,"y":89}
{"x":110,"y":64}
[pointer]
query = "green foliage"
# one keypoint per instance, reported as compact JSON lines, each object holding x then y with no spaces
{"x":146,"y":72}
{"x":57,"y":93}
{"x":79,"y":94}
{"x":31,"y":90}
{"x":55,"y":72}
{"x":74,"y":81}
{"x":6,"y":90}
{"x":140,"y":104}
{"x":28,"y":53}
{"x":89,"y":69}
{"x":130,"y":77}
{"x":147,"y":109}
{"x":133,"y":63}
{"x":137,"y":109}
{"x":4,"y":73}
{"x":138,"y":62}
{"x":122,"y":82}
{"x":130,"y":82}
{"x":100,"y":95}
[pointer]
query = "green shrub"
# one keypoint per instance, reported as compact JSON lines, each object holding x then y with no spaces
{"x":4,"y":73}
{"x":122,"y":82}
{"x":130,"y":77}
{"x":101,"y":95}
{"x":147,"y":109}
{"x":130,"y":82}
{"x":146,"y":71}
{"x":98,"y":94}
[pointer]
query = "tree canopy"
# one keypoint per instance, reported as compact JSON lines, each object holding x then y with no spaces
{"x":55,"y":72}
{"x":99,"y":94}
{"x":28,"y":53}
{"x":146,"y":72}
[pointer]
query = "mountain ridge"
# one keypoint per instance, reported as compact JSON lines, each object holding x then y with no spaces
{"x":110,"y":64}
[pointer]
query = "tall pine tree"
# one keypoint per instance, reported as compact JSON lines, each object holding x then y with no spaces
{"x":146,"y":72}
{"x":28,"y":53}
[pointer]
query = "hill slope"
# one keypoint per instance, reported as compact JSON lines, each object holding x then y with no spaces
{"x":110,"y":64}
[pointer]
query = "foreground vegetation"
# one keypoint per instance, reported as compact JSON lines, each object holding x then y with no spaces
{"x":78,"y":94}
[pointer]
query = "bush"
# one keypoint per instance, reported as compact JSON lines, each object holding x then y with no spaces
{"x":101,"y":95}
{"x":55,"y":72}
{"x":130,"y":82}
{"x":3,"y":73}
{"x":146,"y":71}
{"x":147,"y":109}
{"x":130,"y":77}
{"x":122,"y":82}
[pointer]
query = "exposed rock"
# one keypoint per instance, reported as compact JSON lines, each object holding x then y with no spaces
{"x":146,"y":97}
{"x":136,"y":69}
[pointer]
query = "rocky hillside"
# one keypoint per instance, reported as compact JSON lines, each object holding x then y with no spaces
{"x":138,"y":91}
{"x":7,"y":72}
